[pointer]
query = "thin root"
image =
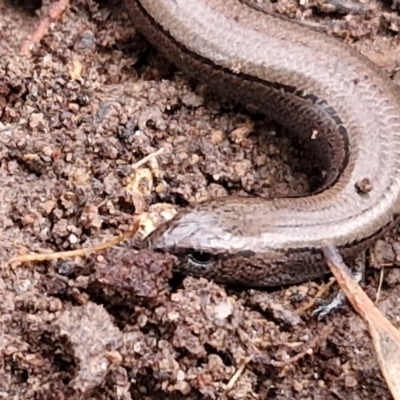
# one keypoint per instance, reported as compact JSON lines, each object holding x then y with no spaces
{"x":55,"y":12}
{"x":75,"y":253}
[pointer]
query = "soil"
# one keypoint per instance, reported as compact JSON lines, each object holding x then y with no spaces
{"x":91,"y":101}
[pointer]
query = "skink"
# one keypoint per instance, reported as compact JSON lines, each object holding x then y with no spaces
{"x":319,"y":88}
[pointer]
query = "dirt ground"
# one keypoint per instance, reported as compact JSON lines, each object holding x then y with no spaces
{"x":75,"y":119}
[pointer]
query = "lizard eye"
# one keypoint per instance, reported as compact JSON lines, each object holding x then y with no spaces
{"x":199,"y":257}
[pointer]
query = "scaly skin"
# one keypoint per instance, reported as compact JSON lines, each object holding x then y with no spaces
{"x":330,"y":95}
